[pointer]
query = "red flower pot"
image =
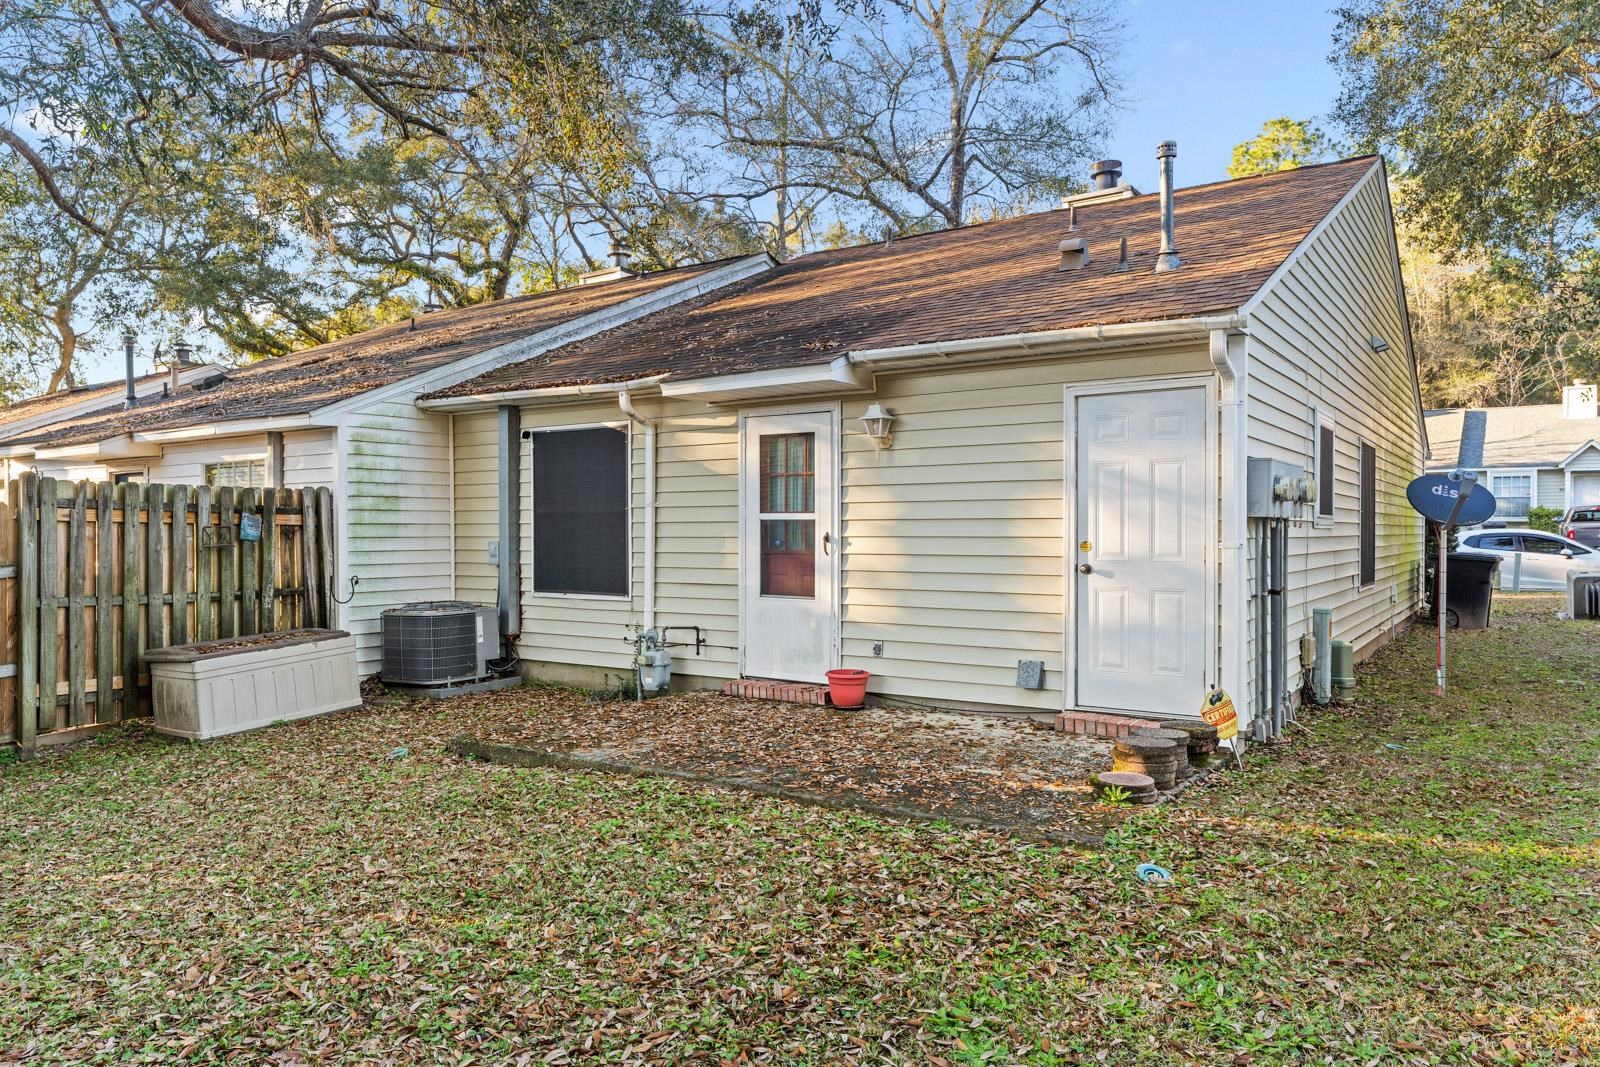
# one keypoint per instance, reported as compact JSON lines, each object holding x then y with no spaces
{"x":847,"y":689}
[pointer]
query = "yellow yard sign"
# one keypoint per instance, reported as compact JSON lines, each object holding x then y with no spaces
{"x":1218,"y":711}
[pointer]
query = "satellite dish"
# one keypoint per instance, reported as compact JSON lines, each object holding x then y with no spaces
{"x":1435,"y":496}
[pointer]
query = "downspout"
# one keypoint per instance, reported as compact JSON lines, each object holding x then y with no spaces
{"x":625,"y":402}
{"x":508,"y":589}
{"x":1231,"y":359}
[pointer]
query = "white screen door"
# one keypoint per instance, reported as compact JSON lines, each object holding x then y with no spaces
{"x":790,"y":546}
{"x":1138,"y":552}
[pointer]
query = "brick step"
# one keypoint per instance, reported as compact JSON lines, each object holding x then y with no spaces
{"x":1099,"y":724}
{"x":766,"y":689}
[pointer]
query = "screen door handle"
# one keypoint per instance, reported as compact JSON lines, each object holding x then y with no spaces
{"x":827,"y":544}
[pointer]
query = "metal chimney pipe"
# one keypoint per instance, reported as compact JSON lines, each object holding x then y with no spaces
{"x":180,"y":361}
{"x":1105,"y":173}
{"x":130,"y":398}
{"x":1166,"y":152}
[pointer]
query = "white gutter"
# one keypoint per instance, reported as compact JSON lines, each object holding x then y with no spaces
{"x":1230,"y":356}
{"x":625,"y":402}
{"x":1046,"y":342}
{"x":234,"y":428}
{"x":559,"y":392}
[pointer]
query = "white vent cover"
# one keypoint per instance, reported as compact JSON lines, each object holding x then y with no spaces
{"x":1581,"y":400}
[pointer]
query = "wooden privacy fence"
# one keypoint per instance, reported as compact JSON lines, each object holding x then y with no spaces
{"x":92,"y":575}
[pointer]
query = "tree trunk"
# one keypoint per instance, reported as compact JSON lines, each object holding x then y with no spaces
{"x":67,"y":339}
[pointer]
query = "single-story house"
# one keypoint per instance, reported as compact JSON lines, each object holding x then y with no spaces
{"x":1002,"y":467}
{"x":1530,"y":456}
{"x":340,"y":415}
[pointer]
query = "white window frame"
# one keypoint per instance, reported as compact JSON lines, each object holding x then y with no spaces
{"x":1531,"y":473}
{"x":1321,"y":420}
{"x":207,"y":468}
{"x":529,"y":503}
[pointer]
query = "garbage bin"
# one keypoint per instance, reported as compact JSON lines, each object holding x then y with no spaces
{"x":1471,"y":588}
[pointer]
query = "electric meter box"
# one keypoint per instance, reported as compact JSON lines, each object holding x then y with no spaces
{"x":1276,"y":489}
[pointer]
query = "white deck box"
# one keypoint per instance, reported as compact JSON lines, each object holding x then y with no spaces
{"x":216,"y":688}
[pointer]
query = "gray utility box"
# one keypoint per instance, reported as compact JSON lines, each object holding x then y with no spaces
{"x":439,"y":642}
{"x":1275,"y":489}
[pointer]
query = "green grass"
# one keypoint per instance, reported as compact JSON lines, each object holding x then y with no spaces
{"x":298,"y":893}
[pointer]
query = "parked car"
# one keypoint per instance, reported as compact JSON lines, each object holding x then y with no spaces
{"x":1583,"y":525}
{"x":1546,"y":558}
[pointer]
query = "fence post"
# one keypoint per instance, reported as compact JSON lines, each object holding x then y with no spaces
{"x":28,"y":613}
{"x":308,"y":557}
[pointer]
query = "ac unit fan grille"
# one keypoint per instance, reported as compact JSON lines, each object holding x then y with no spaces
{"x":429,"y":647}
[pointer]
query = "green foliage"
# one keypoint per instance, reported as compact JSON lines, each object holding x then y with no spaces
{"x":1546,"y":519}
{"x":1282,"y":144}
{"x":1490,"y":109}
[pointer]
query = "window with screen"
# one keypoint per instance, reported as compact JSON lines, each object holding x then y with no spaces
{"x":1513,"y":495}
{"x":788,"y":515}
{"x":580,"y":511}
{"x":1325,"y":460}
{"x":1369,"y":514}
{"x":238,"y":473}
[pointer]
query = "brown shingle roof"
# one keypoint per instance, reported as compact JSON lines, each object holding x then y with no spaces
{"x":976,"y":281}
{"x":304,"y":381}
{"x":44,"y":403}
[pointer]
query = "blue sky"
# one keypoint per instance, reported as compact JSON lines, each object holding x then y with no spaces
{"x":1208,"y":75}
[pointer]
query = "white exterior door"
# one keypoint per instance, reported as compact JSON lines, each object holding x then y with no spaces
{"x":790,"y":548}
{"x":1138,"y":555}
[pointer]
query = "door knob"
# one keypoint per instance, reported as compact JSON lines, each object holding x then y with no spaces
{"x":1084,"y":568}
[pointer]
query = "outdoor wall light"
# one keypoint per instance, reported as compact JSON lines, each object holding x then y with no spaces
{"x":877,"y":423}
{"x":1377,"y":344}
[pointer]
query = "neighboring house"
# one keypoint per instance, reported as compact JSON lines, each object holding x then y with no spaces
{"x":1533,"y":456}
{"x":1062,"y":479}
{"x":339,"y":415}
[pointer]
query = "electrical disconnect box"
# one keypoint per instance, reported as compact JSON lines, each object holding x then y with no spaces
{"x":1275,"y":489}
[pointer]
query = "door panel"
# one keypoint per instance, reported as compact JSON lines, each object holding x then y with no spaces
{"x":1138,"y":551}
{"x":787,"y":591}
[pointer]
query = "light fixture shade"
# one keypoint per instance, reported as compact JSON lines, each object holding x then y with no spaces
{"x":877,"y":422}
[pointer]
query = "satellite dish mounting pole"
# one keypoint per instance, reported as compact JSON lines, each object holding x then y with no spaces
{"x":1468,"y":481}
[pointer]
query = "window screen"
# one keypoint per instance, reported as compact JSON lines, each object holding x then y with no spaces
{"x":1369,"y":514}
{"x":1325,"y":461}
{"x":239,"y":473}
{"x":580,"y":511}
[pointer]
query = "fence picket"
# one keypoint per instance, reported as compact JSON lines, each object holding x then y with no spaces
{"x":227,"y":586}
{"x":27,"y":724}
{"x":269,"y":559}
{"x":105,"y":573}
{"x":77,"y":638}
{"x":155,"y":498}
{"x":249,"y":563}
{"x":180,"y":564}
{"x":308,"y":557}
{"x":127,"y":495}
{"x":9,"y":512}
{"x":325,"y":551}
{"x":205,"y":552}
{"x":49,"y":588}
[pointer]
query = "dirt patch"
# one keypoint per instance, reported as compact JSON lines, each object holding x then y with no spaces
{"x":971,"y":770}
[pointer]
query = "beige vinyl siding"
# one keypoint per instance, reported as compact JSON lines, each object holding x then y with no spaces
{"x":953,"y":538}
{"x":952,"y":551}
{"x":397,"y":516}
{"x":1587,"y":460}
{"x":1308,"y":348}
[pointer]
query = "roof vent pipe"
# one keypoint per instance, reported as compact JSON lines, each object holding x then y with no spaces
{"x":620,"y":255}
{"x":1105,"y":173}
{"x":180,"y":363}
{"x":130,"y":398}
{"x":1166,"y":152}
